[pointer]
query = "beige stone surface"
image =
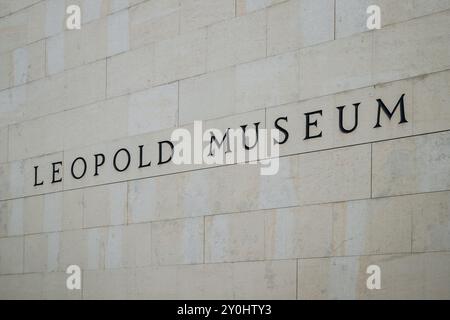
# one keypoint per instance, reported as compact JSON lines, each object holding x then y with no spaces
{"x":138,"y":245}
{"x":431,"y":222}
{"x":24,"y":137}
{"x":208,"y":96}
{"x":328,"y":122}
{"x":265,"y":280}
{"x":6,"y":64}
{"x":199,"y":13}
{"x":66,"y":90}
{"x":297,"y":183}
{"x":153,"y":21}
{"x":236,"y":41}
{"x":234,"y":237}
{"x":421,"y":46}
{"x":23,"y":286}
{"x":138,"y":69}
{"x":203,"y":279}
{"x":54,"y":287}
{"x":11,"y":218}
{"x":336,"y":66}
{"x":41,"y":252}
{"x":11,"y":255}
{"x":351,"y":15}
{"x":105,"y":205}
{"x":156,"y":282}
{"x":13,"y":174}
{"x":108,"y":284}
{"x":178,"y":241}
{"x":431,"y":101}
{"x":11,"y":6}
{"x":299,"y":23}
{"x":131,"y":71}
{"x":22,"y":65}
{"x":180,"y":57}
{"x":268,"y":82}
{"x":166,"y":61}
{"x":345,"y":277}
{"x":247,"y":6}
{"x":4,"y":144}
{"x":17,"y":35}
{"x":85,"y":248}
{"x":52,"y":212}
{"x":376,"y":226}
{"x":411,"y":165}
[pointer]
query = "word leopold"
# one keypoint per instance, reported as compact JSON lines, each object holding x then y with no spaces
{"x":247,"y":143}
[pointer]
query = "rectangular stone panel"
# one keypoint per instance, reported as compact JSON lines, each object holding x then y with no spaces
{"x":342,"y":174}
{"x":234,"y":237}
{"x":72,"y":88}
{"x":4,"y":144}
{"x":431,"y":222}
{"x":416,"y":47}
{"x":299,"y":23}
{"x":236,"y":41}
{"x":41,"y":252}
{"x":411,"y":165}
{"x":178,"y":241}
{"x":268,"y":82}
{"x":105,"y":205}
{"x":21,"y":286}
{"x":431,"y":101}
{"x":411,"y":276}
{"x":11,"y":255}
{"x":247,"y":6}
{"x":265,"y":280}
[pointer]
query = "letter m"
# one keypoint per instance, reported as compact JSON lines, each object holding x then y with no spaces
{"x":382,"y":106}
{"x":219,"y":144}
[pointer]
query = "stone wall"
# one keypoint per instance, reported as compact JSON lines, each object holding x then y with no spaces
{"x":137,"y":69}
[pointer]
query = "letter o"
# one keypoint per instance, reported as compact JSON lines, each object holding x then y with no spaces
{"x":115,"y":158}
{"x":73,"y":165}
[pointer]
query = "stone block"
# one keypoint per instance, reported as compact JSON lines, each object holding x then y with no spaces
{"x":11,"y":255}
{"x":411,"y":165}
{"x":199,"y":13}
{"x":177,"y":241}
{"x":299,"y":23}
{"x":236,"y":41}
{"x":234,"y":237}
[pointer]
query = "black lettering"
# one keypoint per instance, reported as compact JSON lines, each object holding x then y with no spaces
{"x":97,"y":163}
{"x":35,"y":177}
{"x":56,"y":171}
{"x":309,"y":124}
{"x":341,"y":118}
{"x":73,"y":165}
{"x":141,"y":158}
{"x":244,"y":127}
{"x":214,"y":139}
{"x":284,"y":131}
{"x":160,"y":161}
{"x":382,"y":106}
{"x":115,"y":160}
